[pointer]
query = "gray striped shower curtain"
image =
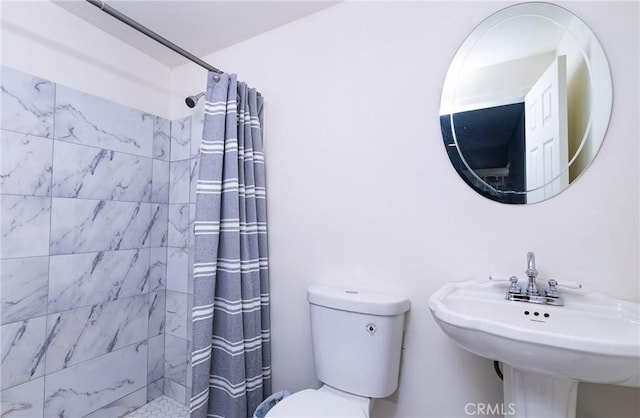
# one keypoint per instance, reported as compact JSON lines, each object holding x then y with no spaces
{"x":231,"y":357}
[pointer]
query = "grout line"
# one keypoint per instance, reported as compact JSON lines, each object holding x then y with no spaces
{"x":90,"y":198}
{"x":119,"y":399}
{"x":46,"y":321}
{"x":88,"y":252}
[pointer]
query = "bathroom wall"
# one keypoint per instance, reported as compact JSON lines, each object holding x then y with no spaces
{"x":361,"y":192}
{"x":84,"y":216}
{"x":43,"y":39}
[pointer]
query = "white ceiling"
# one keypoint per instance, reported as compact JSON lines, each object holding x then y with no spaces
{"x":200,"y":27}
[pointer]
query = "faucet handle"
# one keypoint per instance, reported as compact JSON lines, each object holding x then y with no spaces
{"x":566,"y":283}
{"x":552,"y":291}
{"x":500,"y":279}
{"x":513,"y":287}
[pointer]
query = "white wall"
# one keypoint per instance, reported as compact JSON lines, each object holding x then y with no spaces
{"x":41,"y":38}
{"x":361,"y":192}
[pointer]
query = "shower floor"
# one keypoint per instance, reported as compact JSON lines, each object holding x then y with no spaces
{"x":161,"y":407}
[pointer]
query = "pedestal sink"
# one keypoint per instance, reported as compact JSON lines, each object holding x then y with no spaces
{"x":545,"y":350}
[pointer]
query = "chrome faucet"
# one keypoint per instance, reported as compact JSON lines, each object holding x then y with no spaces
{"x":532,"y":294}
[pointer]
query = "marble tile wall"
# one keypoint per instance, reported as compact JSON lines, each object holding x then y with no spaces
{"x":92,"y":198}
{"x":185,"y":134}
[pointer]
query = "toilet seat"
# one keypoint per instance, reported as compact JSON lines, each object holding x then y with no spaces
{"x":318,"y":403}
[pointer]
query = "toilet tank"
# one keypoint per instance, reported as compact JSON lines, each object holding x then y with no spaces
{"x":357,"y":339}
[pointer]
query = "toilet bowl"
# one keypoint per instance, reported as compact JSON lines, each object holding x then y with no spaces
{"x":324,"y":402}
{"x":356,"y":338}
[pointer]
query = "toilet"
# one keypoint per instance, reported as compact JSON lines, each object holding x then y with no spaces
{"x":356,"y":337}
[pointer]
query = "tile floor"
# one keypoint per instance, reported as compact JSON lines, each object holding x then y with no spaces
{"x":161,"y":407}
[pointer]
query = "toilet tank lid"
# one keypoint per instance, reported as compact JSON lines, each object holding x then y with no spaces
{"x":357,"y":300}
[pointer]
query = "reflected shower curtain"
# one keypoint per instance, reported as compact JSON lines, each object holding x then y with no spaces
{"x":231,"y":357}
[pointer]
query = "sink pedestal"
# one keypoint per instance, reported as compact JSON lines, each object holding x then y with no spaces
{"x":531,"y":395}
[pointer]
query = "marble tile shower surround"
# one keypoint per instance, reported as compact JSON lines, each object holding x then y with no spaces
{"x":94,"y":249}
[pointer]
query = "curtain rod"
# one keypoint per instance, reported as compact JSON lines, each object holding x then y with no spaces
{"x":151,"y":34}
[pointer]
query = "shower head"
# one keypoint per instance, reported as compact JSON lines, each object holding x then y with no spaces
{"x":192,"y":101}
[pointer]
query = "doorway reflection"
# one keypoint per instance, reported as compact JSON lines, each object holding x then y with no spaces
{"x":492,"y":141}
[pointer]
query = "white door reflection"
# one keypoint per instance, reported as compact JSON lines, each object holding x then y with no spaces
{"x":546,"y":134}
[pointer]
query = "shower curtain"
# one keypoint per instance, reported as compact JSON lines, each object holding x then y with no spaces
{"x":231,"y":357}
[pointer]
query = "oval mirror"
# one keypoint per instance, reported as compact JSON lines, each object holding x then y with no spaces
{"x":526,"y":103}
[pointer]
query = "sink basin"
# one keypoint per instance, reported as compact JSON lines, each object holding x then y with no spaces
{"x":592,"y":338}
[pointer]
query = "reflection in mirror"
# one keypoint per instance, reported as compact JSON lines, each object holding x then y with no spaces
{"x":526,"y":103}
